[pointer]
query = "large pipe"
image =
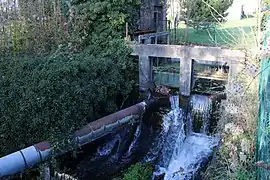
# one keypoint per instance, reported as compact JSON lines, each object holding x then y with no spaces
{"x":108,"y":122}
{"x":27,"y":158}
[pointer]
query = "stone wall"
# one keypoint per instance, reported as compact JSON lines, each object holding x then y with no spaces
{"x":152,"y":15}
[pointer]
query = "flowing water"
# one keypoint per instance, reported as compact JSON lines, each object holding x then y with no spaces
{"x":106,"y":148}
{"x":181,"y":155}
{"x":201,"y":107}
{"x":179,"y":147}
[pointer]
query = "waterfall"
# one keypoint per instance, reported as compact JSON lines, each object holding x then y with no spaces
{"x":162,"y":143}
{"x":135,"y":139}
{"x":201,"y":107}
{"x":192,"y":155}
{"x":106,"y":149}
{"x":181,"y":155}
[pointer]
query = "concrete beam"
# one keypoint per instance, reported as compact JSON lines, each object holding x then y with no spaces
{"x":195,"y":52}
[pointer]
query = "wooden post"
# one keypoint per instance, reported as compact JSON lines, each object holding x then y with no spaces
{"x":127,"y":38}
{"x":126,"y":30}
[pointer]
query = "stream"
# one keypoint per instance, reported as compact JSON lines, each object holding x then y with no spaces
{"x":177,"y":143}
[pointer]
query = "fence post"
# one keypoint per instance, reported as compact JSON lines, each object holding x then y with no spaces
{"x":263,"y":132}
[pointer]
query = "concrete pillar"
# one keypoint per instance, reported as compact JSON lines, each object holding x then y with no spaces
{"x":145,"y":73}
{"x":234,"y":69}
{"x":185,"y":76}
{"x":184,"y":102}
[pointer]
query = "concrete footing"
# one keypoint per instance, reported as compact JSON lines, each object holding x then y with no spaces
{"x":184,"y":102}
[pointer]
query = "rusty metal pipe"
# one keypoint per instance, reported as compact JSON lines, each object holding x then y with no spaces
{"x":137,"y":109}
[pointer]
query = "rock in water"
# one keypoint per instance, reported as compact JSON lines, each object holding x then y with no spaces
{"x":162,"y":90}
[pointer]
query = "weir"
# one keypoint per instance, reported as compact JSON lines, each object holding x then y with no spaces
{"x":179,"y":140}
{"x":183,"y":145}
{"x":187,"y":56}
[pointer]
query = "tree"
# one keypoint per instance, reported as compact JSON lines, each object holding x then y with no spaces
{"x":266,"y":3}
{"x":205,"y":10}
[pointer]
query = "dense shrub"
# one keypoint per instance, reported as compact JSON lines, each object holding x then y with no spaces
{"x":139,"y":172}
{"x":47,"y":97}
{"x":44,"y":98}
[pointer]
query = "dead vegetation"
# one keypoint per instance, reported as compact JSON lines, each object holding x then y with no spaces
{"x":237,"y":127}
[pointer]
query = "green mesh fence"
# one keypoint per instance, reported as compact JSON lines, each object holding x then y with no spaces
{"x":263,"y":133}
{"x":229,"y":33}
{"x":203,"y":33}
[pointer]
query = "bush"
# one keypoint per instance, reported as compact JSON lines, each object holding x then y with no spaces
{"x":139,"y":172}
{"x":47,"y":98}
{"x":243,"y":174}
{"x":237,"y":127}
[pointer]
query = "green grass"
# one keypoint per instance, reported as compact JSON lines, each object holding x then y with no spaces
{"x":231,"y":33}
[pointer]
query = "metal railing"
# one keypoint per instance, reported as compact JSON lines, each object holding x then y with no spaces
{"x":147,"y":38}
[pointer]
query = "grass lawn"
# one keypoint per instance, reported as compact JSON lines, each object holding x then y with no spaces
{"x":238,"y":33}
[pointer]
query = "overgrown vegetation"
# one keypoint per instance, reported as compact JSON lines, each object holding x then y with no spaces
{"x":237,"y":126}
{"x":138,"y":171}
{"x":264,"y":20}
{"x":75,"y":80}
{"x":235,"y":159}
